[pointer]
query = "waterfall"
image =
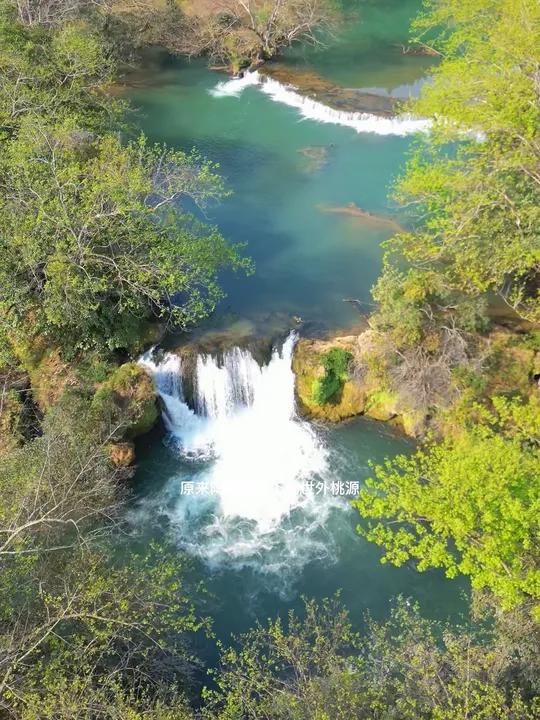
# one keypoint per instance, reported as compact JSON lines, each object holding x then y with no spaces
{"x":311,"y":109}
{"x":248,"y":450}
{"x":236,"y":85}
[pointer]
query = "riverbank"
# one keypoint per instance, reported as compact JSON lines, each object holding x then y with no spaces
{"x":510,"y":362}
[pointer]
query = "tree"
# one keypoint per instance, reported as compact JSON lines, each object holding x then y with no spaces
{"x":61,"y":487}
{"x":86,"y":621}
{"x":112,"y":245}
{"x":94,"y":233}
{"x":477,"y":206}
{"x":318,"y":668}
{"x":469,"y":504}
{"x":54,"y":74}
{"x":243,"y":32}
{"x":88,"y":629}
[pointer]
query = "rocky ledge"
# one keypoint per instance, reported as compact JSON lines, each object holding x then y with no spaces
{"x":356,"y":395}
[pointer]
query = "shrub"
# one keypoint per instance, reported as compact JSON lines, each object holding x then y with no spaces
{"x":336,"y":363}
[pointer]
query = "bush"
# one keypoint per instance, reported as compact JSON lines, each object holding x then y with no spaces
{"x":336,"y":363}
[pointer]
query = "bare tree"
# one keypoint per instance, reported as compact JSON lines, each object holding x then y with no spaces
{"x":243,"y":32}
{"x":57,"y":490}
{"x":48,"y":12}
{"x":423,"y":378}
{"x":78,"y":617}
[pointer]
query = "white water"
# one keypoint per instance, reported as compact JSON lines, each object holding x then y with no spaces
{"x":314,"y":110}
{"x":236,"y":86}
{"x":246,"y":443}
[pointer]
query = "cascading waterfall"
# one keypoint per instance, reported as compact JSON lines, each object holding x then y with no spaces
{"x":314,"y":110}
{"x":245,"y":457}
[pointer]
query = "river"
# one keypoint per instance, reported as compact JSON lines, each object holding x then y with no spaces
{"x":255,"y":494}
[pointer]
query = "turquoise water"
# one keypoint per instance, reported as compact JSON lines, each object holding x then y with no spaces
{"x":285,"y":173}
{"x":238,"y":595}
{"x":307,"y":260}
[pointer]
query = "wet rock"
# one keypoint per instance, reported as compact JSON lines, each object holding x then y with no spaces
{"x":315,"y":157}
{"x":313,"y":85}
{"x":360,"y":394}
{"x":364,"y":216}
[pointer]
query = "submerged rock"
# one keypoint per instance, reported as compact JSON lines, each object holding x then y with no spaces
{"x":315,"y":86}
{"x":315,"y":157}
{"x":366,"y":217}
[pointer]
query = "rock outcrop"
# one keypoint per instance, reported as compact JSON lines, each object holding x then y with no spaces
{"x":127,"y":399}
{"x":359,"y":395}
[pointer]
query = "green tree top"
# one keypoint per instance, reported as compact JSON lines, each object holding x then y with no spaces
{"x":468,"y":505}
{"x":477,"y":205}
{"x":94,"y":237}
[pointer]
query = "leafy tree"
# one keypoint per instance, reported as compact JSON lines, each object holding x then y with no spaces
{"x":94,"y":232}
{"x":477,"y":206}
{"x":54,"y":74}
{"x":60,"y":486}
{"x":82,"y":628}
{"x":86,"y":622}
{"x":318,"y":668}
{"x":469,"y":504}
{"x":95,"y":240}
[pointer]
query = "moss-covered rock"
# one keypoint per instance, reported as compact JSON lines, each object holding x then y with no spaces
{"x":49,"y":374}
{"x":127,"y":399}
{"x":361,"y":393}
{"x":411,"y":423}
{"x":309,"y":368}
{"x":381,"y":405}
{"x":11,"y":413}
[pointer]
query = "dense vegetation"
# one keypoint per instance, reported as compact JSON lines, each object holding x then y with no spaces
{"x":468,"y":503}
{"x":100,"y":232}
{"x":94,"y":238}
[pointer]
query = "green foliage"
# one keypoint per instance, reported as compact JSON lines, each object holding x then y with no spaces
{"x":94,"y":231}
{"x":478,"y":207}
{"x":317,"y":668}
{"x":112,"y":244}
{"x":84,"y":618}
{"x":400,"y":298}
{"x":88,"y":627}
{"x":532,"y":340}
{"x":54,"y":74}
{"x":125,"y":405}
{"x":468,"y":379}
{"x":469,"y":504}
{"x":335,"y":362}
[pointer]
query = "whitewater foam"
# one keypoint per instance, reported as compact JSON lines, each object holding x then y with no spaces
{"x":311,"y":109}
{"x":236,"y":85}
{"x":255,"y":455}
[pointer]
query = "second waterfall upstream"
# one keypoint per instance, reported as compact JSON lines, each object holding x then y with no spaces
{"x":245,"y":458}
{"x":312,"y":109}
